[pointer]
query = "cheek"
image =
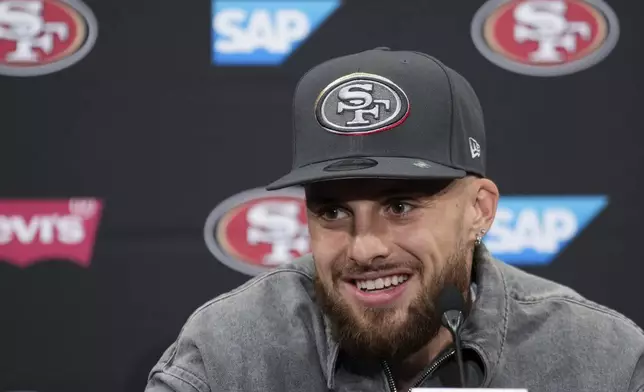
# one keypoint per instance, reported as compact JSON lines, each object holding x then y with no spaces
{"x":419,"y":238}
{"x":430,"y":239}
{"x":327,"y":247}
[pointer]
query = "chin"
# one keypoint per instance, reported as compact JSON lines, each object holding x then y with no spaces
{"x":391,"y":317}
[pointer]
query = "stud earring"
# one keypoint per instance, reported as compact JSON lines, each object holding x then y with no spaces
{"x":479,"y":237}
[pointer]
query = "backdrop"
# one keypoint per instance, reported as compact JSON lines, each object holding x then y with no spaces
{"x":135,"y":137}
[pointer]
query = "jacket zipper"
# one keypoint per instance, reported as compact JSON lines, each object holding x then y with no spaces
{"x":427,"y":373}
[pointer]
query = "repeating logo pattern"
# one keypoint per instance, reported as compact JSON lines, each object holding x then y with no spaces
{"x":256,"y":230}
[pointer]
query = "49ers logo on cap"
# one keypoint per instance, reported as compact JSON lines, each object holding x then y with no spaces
{"x":255,"y":231}
{"x":38,"y":37}
{"x":545,"y":37}
{"x":360,"y":104}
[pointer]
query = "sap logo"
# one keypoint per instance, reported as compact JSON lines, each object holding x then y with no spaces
{"x":264,"y":32}
{"x":533,"y":230}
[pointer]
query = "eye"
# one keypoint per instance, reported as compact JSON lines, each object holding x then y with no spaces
{"x":332,"y":213}
{"x":399,"y":207}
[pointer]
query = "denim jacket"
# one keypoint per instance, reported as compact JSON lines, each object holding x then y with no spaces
{"x":522,"y":332}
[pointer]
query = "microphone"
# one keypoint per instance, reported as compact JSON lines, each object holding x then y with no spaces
{"x":452,"y":306}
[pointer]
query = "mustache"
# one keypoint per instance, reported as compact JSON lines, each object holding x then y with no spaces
{"x":352,"y":268}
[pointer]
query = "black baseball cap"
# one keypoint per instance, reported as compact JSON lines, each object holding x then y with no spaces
{"x":384,"y":114}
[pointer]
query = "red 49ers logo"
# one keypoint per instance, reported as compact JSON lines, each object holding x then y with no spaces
{"x":38,"y":37}
{"x":257,"y":230}
{"x":545,"y":37}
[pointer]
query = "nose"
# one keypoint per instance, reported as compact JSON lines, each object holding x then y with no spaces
{"x":366,"y":247}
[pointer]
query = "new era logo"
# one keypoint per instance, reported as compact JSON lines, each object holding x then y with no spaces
{"x":475,"y":148}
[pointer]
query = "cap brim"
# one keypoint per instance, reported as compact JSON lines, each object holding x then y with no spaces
{"x":380,"y":167}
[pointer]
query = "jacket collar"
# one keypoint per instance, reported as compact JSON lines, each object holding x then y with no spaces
{"x":485,"y":328}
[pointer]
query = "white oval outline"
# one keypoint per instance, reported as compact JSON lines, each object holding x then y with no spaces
{"x":45,"y":69}
{"x":354,"y":78}
{"x":225,"y":206}
{"x":362,"y":128}
{"x":594,"y":58}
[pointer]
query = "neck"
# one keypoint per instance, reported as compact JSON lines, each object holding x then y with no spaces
{"x":407,"y":371}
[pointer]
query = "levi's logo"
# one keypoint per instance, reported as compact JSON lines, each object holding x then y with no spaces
{"x":38,"y":230}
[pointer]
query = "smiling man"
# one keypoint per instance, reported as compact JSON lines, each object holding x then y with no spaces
{"x":382,"y":261}
{"x":390,"y":149}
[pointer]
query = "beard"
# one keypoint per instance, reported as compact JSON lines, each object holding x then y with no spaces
{"x":391,"y":333}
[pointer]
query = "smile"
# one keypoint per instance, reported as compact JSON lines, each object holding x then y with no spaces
{"x":382,"y":289}
{"x":369,"y":285}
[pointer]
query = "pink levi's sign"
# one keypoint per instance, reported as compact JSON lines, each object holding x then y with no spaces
{"x":34,"y":230}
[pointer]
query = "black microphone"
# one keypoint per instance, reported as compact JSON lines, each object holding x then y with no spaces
{"x":452,"y":307}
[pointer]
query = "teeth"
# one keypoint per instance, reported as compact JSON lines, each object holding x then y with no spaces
{"x":380,"y":283}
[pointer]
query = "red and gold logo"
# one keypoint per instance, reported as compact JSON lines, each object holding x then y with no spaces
{"x":257,"y":230}
{"x":545,"y":37}
{"x":38,"y":37}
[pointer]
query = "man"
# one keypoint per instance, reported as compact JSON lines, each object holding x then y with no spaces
{"x":390,"y":149}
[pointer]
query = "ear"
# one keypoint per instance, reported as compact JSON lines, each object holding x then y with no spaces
{"x":485,"y":202}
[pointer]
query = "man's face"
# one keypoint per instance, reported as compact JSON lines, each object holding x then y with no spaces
{"x":383,"y":251}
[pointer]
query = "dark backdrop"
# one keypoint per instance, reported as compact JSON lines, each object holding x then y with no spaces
{"x":149,"y":125}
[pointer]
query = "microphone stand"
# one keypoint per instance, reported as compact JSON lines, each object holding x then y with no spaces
{"x":453,"y":320}
{"x":459,"y":359}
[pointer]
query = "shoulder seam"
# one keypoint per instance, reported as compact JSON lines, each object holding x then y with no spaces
{"x":585,"y":303}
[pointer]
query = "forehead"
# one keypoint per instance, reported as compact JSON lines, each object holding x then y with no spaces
{"x":374,"y":189}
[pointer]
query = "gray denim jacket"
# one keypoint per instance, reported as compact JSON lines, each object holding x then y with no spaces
{"x":522,"y":332}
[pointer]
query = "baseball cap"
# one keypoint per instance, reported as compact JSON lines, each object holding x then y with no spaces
{"x":386,"y":114}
